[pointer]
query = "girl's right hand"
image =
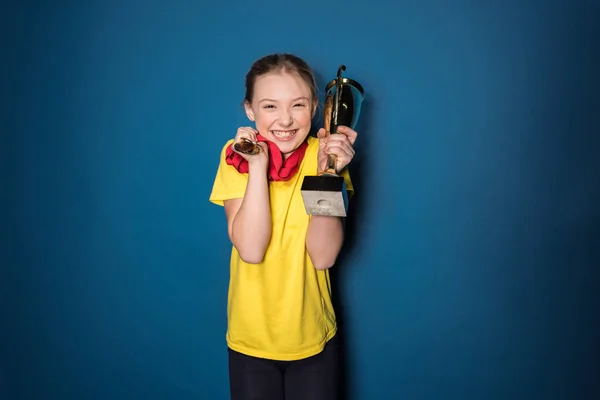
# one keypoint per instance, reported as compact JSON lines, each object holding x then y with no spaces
{"x":249,"y":133}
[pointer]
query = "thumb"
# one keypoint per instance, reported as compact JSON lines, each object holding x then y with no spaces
{"x":322,"y":133}
{"x":263,"y":146}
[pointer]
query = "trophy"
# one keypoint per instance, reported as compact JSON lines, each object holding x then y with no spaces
{"x":326,"y":194}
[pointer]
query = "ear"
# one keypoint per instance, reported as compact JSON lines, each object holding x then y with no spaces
{"x":315,"y":103}
{"x":249,"y":111}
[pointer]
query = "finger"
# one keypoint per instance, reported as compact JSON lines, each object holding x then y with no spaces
{"x":263,"y":146}
{"x":253,"y":137}
{"x":348,"y":132}
{"x":247,"y":130}
{"x":341,"y":141}
{"x":322,"y":133}
{"x":340,"y":149}
{"x":247,"y":133}
{"x":339,"y":138}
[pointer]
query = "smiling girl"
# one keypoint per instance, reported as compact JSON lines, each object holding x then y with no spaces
{"x":281,"y":333}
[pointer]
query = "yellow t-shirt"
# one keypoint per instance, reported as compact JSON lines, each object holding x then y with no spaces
{"x":281,"y":308}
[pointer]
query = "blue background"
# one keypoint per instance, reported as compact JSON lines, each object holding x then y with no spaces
{"x":470,"y":270}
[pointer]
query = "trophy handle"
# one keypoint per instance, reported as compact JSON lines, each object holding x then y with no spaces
{"x":331,"y":158}
{"x":331,"y":112}
{"x":331,"y":168}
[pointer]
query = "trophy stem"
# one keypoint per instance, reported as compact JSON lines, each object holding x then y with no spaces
{"x":333,"y":108}
{"x":330,"y":168}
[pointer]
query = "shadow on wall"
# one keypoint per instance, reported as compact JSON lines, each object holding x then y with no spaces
{"x":358,"y":169}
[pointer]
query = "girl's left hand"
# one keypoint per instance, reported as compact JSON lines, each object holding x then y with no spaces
{"x":341,"y":144}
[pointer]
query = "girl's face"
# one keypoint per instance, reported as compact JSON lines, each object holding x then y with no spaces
{"x":282,"y":109}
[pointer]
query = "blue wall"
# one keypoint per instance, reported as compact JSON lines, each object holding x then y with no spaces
{"x":470,"y":272}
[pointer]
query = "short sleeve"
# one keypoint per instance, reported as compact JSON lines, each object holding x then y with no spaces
{"x":228,"y":183}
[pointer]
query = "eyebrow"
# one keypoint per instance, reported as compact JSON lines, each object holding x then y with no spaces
{"x":296,"y":99}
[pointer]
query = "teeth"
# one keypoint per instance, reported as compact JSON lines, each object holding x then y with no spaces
{"x":284,"y":134}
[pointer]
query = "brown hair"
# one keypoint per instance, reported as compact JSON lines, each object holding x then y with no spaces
{"x":280,"y":62}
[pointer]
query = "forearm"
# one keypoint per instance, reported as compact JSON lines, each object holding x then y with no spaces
{"x":251,"y":230}
{"x":324,"y":240}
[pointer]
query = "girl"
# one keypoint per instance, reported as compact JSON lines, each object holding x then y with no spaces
{"x":281,"y":332}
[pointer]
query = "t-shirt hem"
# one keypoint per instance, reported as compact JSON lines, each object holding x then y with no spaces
{"x":311,"y":351}
{"x":219,"y":199}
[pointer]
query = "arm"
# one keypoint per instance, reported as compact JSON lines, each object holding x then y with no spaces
{"x":325,"y":235}
{"x":249,"y":218}
{"x":324,"y":240}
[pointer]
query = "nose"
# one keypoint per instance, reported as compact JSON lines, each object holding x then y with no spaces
{"x":285,"y":118}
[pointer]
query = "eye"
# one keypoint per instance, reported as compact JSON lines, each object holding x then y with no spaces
{"x":269,"y":106}
{"x":300,"y":105}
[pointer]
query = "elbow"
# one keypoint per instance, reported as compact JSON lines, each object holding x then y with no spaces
{"x":323,"y":257}
{"x":250,"y":258}
{"x":322,"y":263}
{"x":323,"y":266}
{"x":251,"y":254}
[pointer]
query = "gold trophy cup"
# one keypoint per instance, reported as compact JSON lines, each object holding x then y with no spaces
{"x":326,"y":194}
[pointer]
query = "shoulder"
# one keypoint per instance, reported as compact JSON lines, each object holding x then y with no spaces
{"x":224,"y":147}
{"x":223,"y":154}
{"x":228,"y":183}
{"x":225,"y":162}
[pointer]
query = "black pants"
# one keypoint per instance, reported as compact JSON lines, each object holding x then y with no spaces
{"x":312,"y":378}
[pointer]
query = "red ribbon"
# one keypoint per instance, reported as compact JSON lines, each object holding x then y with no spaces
{"x":279,"y":169}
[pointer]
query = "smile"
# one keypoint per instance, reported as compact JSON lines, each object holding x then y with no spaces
{"x":284,"y":135}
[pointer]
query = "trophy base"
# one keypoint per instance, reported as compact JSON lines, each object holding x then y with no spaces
{"x":325,"y":195}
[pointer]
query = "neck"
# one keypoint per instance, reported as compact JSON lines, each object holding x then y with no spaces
{"x":285,"y":156}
